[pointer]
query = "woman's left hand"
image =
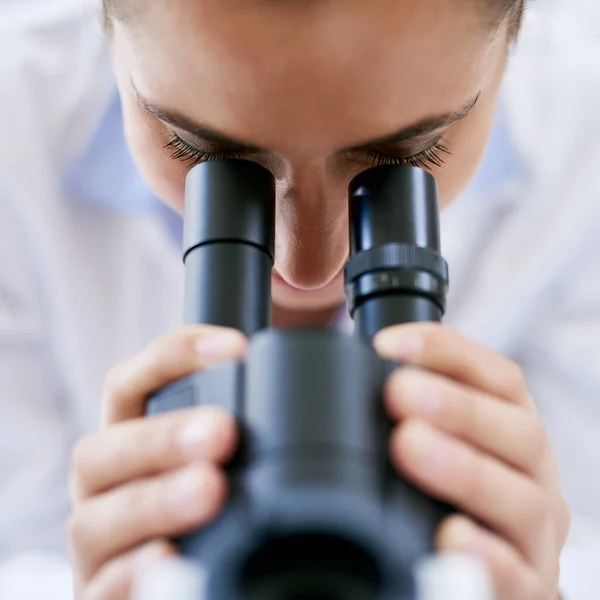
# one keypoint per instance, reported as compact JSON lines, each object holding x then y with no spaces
{"x":469,"y":434}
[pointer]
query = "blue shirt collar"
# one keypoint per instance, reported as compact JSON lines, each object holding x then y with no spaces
{"x":105,"y":175}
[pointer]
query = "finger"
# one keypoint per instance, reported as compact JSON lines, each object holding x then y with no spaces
{"x":503,"y":499}
{"x":504,"y":430}
{"x":165,"y":506}
{"x":443,"y":350}
{"x":176,"y":355}
{"x":114,"y":581}
{"x":143,"y":447}
{"x":513,"y":578}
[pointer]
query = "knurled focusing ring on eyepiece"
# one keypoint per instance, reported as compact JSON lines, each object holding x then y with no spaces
{"x":396,"y":256}
{"x":396,"y":268}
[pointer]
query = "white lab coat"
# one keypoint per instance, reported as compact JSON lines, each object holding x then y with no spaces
{"x":81,"y":287}
{"x":586,"y":12}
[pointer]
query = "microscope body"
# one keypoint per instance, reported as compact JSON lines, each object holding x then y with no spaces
{"x":315,"y":509}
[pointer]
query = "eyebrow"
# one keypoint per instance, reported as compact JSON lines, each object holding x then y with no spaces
{"x":424,"y":127}
{"x":416,"y":130}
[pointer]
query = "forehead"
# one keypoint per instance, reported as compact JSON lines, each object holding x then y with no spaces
{"x":345,"y":70}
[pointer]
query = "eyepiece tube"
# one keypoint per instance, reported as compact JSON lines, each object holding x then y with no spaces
{"x":395,"y":273}
{"x":229,"y":239}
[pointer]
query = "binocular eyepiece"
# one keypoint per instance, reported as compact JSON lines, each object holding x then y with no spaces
{"x":316,"y":510}
{"x":395,"y":273}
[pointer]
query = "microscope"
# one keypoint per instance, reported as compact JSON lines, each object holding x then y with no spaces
{"x":316,"y":511}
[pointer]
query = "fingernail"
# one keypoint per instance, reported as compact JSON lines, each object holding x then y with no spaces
{"x":398,"y":345}
{"x":198,"y":434}
{"x":184,"y":493}
{"x":415,"y":394}
{"x":220,"y":345}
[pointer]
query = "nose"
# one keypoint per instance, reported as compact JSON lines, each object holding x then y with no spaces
{"x":311,"y":239}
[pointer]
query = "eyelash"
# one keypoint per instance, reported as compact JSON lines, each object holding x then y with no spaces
{"x":432,"y":156}
{"x":181,"y":150}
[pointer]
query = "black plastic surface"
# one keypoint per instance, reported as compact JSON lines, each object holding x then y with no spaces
{"x":230,"y":201}
{"x":395,"y":273}
{"x":239,"y":278}
{"x":392,"y":204}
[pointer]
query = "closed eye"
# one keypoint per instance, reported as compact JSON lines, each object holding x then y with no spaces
{"x":432,"y":156}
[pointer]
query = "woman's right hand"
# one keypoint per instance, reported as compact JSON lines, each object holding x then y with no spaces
{"x":139,"y":481}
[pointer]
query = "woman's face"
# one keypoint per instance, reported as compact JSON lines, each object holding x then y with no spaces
{"x":316,"y":91}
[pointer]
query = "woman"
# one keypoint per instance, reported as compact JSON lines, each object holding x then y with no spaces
{"x":310,"y":91}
